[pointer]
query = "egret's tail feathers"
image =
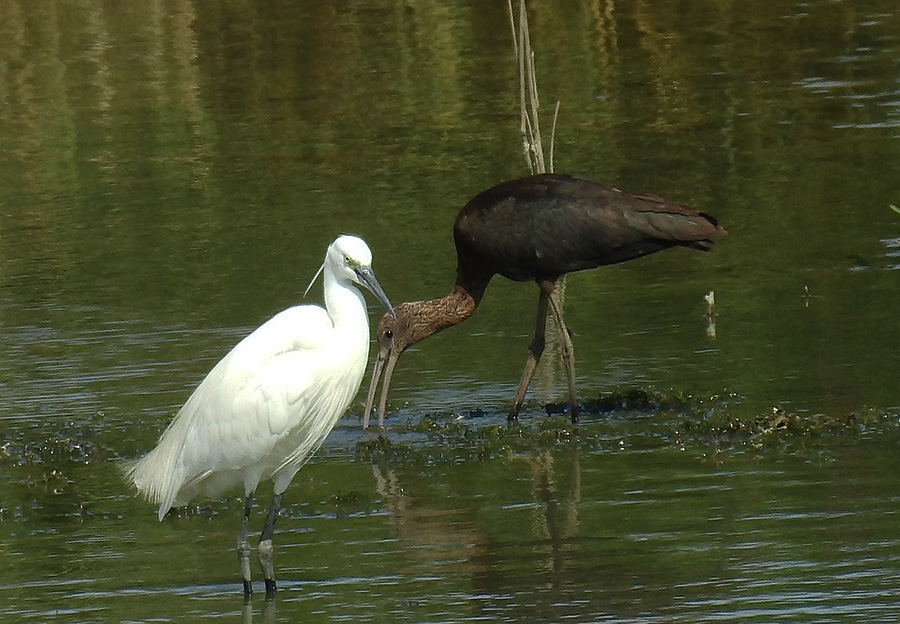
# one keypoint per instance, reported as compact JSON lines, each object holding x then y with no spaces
{"x":155,"y":477}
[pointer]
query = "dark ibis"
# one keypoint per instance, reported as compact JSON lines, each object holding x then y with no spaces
{"x":538,"y":228}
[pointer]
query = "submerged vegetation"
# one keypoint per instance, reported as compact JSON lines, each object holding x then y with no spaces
{"x":631,"y":418}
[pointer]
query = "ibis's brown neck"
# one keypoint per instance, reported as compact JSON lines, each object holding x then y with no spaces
{"x":429,"y":317}
{"x":417,"y":320}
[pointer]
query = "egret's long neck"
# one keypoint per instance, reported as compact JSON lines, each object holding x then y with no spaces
{"x":345,"y":304}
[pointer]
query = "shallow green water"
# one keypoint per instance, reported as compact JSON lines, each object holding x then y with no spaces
{"x":616,"y":525}
{"x":171,"y":172}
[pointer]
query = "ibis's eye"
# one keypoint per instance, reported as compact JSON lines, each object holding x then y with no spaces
{"x":388,"y":334}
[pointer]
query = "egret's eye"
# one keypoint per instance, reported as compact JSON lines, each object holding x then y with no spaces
{"x":347,"y":260}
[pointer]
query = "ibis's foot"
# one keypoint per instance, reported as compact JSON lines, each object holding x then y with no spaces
{"x":574,"y":410}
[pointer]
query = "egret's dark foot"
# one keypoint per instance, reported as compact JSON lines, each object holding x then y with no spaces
{"x":574,"y":412}
{"x":243,"y":547}
{"x":266,"y":550}
{"x":244,"y":556}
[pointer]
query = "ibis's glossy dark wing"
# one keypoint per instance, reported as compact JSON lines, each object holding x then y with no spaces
{"x":543,"y":226}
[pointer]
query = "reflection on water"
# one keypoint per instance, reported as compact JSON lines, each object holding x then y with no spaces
{"x":170,"y":171}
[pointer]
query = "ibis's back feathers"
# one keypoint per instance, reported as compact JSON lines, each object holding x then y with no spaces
{"x":544,"y":226}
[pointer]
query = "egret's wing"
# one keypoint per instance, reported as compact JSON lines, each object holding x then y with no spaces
{"x":245,"y":405}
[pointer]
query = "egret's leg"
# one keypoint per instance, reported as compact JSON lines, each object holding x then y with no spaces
{"x":243,"y":546}
{"x":535,"y":350}
{"x":568,"y":357}
{"x":266,"y":550}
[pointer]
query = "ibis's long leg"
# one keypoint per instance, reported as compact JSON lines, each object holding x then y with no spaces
{"x":568,"y":357}
{"x":535,"y":349}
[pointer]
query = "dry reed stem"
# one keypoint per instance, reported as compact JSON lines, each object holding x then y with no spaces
{"x":529,"y":101}
{"x":532,"y":146}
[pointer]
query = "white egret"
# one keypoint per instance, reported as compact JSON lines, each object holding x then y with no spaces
{"x":268,"y":405}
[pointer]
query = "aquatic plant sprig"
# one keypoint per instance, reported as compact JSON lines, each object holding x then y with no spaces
{"x":815,"y":435}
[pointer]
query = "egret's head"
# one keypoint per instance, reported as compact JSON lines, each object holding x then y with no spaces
{"x":350,"y":258}
{"x":347,"y":254}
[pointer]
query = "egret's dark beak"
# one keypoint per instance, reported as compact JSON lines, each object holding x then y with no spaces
{"x":367,"y":278}
{"x":384,"y":363}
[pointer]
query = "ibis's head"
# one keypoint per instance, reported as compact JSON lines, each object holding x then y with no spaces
{"x":396,"y":332}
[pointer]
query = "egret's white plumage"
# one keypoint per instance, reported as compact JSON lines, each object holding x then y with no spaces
{"x":268,"y":405}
